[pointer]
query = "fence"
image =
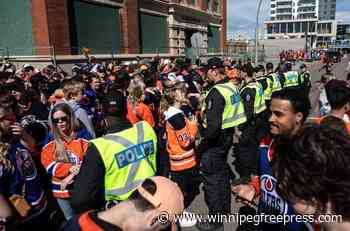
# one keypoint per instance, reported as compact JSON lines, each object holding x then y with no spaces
{"x":69,"y":55}
{"x":244,"y":53}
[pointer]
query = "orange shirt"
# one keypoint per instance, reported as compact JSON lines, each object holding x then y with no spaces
{"x":143,"y":113}
{"x":318,"y":121}
{"x":58,"y":170}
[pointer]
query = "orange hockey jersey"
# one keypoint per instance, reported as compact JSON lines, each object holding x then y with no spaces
{"x":180,"y":143}
{"x":58,"y":170}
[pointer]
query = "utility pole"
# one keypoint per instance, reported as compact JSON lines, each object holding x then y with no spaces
{"x":257,"y":31}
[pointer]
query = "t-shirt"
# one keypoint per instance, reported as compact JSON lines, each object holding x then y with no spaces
{"x":143,"y":112}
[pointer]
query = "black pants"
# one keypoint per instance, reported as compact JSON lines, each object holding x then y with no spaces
{"x":41,"y":221}
{"x":248,"y":148}
{"x":188,"y":181}
{"x":163,"y":164}
{"x":216,"y":180}
{"x":247,"y":153}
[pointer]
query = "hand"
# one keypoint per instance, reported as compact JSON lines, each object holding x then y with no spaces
{"x":17,"y":129}
{"x":193,"y":119}
{"x":244,"y":191}
{"x":66,"y":181}
{"x":75,"y":169}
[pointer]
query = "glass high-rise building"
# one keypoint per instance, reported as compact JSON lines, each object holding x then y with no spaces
{"x":300,"y":18}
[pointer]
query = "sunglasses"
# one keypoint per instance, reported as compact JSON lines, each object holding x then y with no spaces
{"x":57,"y":120}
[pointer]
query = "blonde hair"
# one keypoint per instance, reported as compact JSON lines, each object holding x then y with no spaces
{"x":72,"y":88}
{"x":72,"y":124}
{"x":4,"y":145}
{"x":171,"y":96}
{"x":136,"y":91}
{"x":6,"y":163}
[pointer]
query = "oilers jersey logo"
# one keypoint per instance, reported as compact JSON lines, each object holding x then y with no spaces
{"x":73,"y":158}
{"x":269,"y":186}
{"x":271,"y":202}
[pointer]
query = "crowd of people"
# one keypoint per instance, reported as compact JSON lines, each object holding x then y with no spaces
{"x":113,"y":147}
{"x":293,"y":55}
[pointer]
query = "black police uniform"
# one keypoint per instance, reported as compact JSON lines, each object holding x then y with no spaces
{"x":305,"y":82}
{"x":214,"y":149}
{"x":247,"y":149}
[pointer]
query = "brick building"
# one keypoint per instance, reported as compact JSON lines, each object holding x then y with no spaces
{"x":112,"y":27}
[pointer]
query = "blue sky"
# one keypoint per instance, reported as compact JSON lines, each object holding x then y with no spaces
{"x":241,"y":15}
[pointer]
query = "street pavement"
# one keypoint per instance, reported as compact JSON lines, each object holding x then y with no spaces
{"x":199,"y":207}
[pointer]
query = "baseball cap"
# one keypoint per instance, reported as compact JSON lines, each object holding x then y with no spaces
{"x":167,"y":198}
{"x":215,"y":63}
{"x":28,"y":67}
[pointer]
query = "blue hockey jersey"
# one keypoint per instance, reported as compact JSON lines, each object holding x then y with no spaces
{"x":270,"y":202}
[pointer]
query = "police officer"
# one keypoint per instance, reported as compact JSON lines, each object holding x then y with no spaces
{"x":116,"y":163}
{"x":252,"y":95}
{"x":305,"y":79}
{"x":274,"y":83}
{"x":223,"y":111}
{"x":291,"y":78}
{"x":263,"y":80}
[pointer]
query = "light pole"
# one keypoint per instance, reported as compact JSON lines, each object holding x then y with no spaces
{"x":257,"y":31}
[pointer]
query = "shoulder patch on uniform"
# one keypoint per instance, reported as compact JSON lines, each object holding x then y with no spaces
{"x":210,"y":104}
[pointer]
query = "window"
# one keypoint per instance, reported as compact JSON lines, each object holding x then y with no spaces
{"x":101,"y":43}
{"x":149,"y":42}
{"x":283,"y":27}
{"x":297,"y":27}
{"x":312,"y":27}
{"x":304,"y":27}
{"x":213,"y":39}
{"x":269,"y":28}
{"x":329,"y":28}
{"x":290,"y":27}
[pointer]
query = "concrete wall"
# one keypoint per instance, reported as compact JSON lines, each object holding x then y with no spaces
{"x":273,"y":47}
